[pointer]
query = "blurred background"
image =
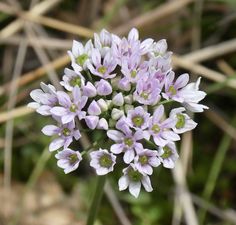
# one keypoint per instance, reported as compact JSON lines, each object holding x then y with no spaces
{"x":34,"y":38}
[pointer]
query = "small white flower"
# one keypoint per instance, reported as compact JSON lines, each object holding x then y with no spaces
{"x":192,"y":96}
{"x":118,"y":99}
{"x":128,"y":99}
{"x":68,"y":160}
{"x":183,"y":122}
{"x":145,"y":160}
{"x":116,"y":114}
{"x":72,"y":79}
{"x":102,"y":124}
{"x":133,"y":179}
{"x":168,"y":155}
{"x":103,"y":104}
{"x":102,"y":161}
{"x":80,"y":55}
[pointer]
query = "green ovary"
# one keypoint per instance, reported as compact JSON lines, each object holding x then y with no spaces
{"x":133,"y":73}
{"x":128,"y":141}
{"x":144,"y":95}
{"x":102,"y":69}
{"x":105,"y":161}
{"x":73,"y":108}
{"x":134,"y":175}
{"x":180,"y":121}
{"x":81,"y":59}
{"x":66,"y":132}
{"x":172,"y":90}
{"x":138,"y":121}
{"x":143,"y":159}
{"x":167,"y":152}
{"x":75,"y":81}
{"x":73,"y":158}
{"x":156,"y":129}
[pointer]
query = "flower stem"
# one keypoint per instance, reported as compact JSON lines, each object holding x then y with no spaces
{"x":165,"y":102}
{"x":96,"y":200}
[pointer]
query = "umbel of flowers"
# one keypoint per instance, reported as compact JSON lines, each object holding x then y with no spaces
{"x":120,"y":86}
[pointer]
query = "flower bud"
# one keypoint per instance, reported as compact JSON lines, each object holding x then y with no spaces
{"x":91,"y":121}
{"x":109,"y":103}
{"x":128,"y":107}
{"x":102,"y":104}
{"x":89,"y":90}
{"x":103,"y":87}
{"x":116,"y":114}
{"x":102,"y":124}
{"x":128,"y":99}
{"x":118,"y":99}
{"x":94,"y":109}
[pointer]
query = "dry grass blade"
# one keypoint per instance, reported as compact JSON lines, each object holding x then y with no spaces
{"x":36,"y":74}
{"x":196,"y":30}
{"x":43,"y":58}
{"x":33,"y":16}
{"x":225,"y":67}
{"x":15,"y":113}
{"x":226,"y":215}
{"x":49,"y":43}
{"x":116,"y":205}
{"x":221,"y":123}
{"x":185,"y":157}
{"x":59,"y":25}
{"x":10,"y":123}
{"x":186,"y":151}
{"x":211,"y":51}
{"x":202,"y":71}
{"x":38,"y":9}
{"x":183,"y":195}
{"x":151,"y":16}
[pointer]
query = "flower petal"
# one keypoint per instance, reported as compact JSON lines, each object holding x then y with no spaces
{"x":147,"y":184}
{"x":50,"y":130}
{"x":123,"y":183}
{"x":56,"y":144}
{"x":117,"y":148}
{"x":134,"y":188}
{"x":115,"y":135}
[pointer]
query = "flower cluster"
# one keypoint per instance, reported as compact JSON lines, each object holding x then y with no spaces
{"x":120,"y":87}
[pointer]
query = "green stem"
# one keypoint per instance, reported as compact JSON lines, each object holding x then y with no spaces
{"x":165,"y":102}
{"x":96,"y":200}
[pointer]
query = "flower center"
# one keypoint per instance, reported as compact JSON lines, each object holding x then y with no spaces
{"x":145,"y":95}
{"x":138,"y":121}
{"x":105,"y":161}
{"x":167,"y":152}
{"x":134,"y":175}
{"x":102,"y":69}
{"x":73,"y":159}
{"x":156,"y":54}
{"x":66,"y":132}
{"x":73,"y":108}
{"x":180,"y":121}
{"x":143,"y":159}
{"x":75,"y":81}
{"x":133,"y":73}
{"x":156,"y":129}
{"x":128,"y":141}
{"x":172,"y":90}
{"x":81,"y":59}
